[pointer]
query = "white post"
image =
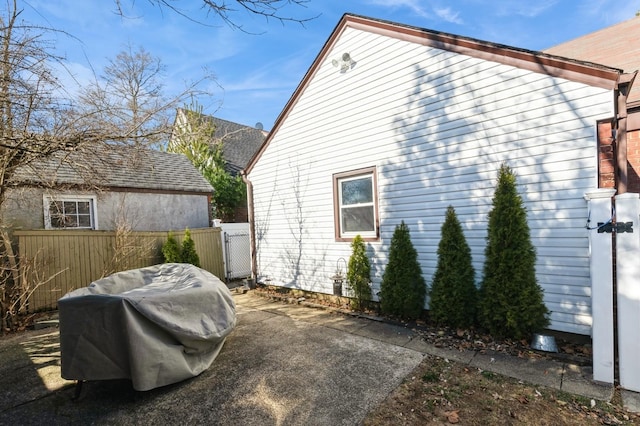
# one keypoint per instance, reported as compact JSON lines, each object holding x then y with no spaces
{"x":628,"y":286}
{"x":601,"y":265}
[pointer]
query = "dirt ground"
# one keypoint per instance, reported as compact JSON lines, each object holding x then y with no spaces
{"x":444,"y":392}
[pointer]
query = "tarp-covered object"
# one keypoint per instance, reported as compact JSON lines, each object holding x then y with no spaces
{"x":156,"y":325}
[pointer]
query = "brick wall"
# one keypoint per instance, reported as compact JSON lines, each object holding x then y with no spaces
{"x":606,"y":157}
{"x":633,"y":161}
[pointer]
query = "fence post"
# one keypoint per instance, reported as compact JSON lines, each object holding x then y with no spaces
{"x":628,"y":286}
{"x":601,"y":267}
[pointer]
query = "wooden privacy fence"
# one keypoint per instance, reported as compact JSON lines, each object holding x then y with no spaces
{"x":58,"y":261}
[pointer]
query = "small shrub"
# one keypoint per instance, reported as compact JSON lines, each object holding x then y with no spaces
{"x":174,"y":252}
{"x":188,"y":252}
{"x":403,"y":288}
{"x":511,"y":301}
{"x":359,"y":274}
{"x":171,"y":251}
{"x":453,"y":291}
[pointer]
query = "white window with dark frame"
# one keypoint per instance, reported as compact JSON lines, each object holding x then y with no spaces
{"x":70,"y":212}
{"x":356,"y":209}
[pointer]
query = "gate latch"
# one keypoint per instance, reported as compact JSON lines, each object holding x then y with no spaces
{"x":619,"y":227}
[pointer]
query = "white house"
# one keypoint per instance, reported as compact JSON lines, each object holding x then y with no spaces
{"x":393,"y":122}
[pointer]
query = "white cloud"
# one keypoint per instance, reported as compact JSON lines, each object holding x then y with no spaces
{"x":609,"y":12}
{"x":528,"y":9}
{"x":414,"y":5}
{"x":448,"y":15}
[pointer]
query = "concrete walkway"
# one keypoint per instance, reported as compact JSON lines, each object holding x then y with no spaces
{"x":565,"y":376}
{"x":283,"y":364}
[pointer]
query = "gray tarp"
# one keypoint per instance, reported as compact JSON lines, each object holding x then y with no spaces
{"x":156,"y":325}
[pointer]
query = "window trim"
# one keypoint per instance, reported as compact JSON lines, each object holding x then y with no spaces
{"x":337,"y":178}
{"x":48,"y":199}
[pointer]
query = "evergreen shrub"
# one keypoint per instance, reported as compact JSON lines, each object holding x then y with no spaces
{"x":403,"y":289}
{"x":174,"y":252}
{"x":453,"y":293}
{"x":171,"y":251}
{"x":189,"y":254}
{"x":511,"y":301}
{"x":359,"y":274}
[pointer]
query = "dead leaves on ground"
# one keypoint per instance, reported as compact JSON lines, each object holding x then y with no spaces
{"x":444,"y":392}
{"x":452,"y":416}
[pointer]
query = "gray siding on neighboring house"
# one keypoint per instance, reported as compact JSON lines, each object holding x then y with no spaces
{"x":141,"y":211}
{"x":153,"y":212}
{"x":149,"y":190}
{"x":436,"y":125}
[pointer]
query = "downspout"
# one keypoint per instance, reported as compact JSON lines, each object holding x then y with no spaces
{"x":622,"y":90}
{"x":621,"y":93}
{"x":252,"y":230}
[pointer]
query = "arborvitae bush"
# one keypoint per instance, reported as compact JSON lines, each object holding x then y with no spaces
{"x":453,"y":291}
{"x":359,"y":274}
{"x":189,"y":254}
{"x":171,"y":252}
{"x":174,"y":252}
{"x":511,"y":301}
{"x":403,"y":288}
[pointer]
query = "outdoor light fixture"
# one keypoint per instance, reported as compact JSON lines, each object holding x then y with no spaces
{"x":339,"y":277}
{"x":344,"y":63}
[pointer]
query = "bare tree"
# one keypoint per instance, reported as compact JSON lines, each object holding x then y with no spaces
{"x":128,"y":100}
{"x":43,"y":128}
{"x":36,"y":122}
{"x":226,"y":10}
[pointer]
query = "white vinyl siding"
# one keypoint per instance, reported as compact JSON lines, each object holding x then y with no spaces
{"x":436,"y":125}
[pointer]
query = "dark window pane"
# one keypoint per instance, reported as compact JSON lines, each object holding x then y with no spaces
{"x":83,"y":207}
{"x":56,"y":221}
{"x":55,"y":207}
{"x":70,"y":221}
{"x":84,"y":221}
{"x":357,"y":219}
{"x":357,"y":191}
{"x":70,"y":207}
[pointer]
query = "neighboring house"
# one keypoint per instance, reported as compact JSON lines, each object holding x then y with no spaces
{"x":239,"y":145}
{"x":394,"y":123}
{"x":103,"y":189}
{"x":617,"y":46}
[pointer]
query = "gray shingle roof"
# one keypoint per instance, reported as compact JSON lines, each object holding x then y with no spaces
{"x":239,"y":142}
{"x":115,"y":167}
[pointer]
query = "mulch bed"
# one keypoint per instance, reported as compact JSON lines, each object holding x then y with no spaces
{"x":574,"y":349}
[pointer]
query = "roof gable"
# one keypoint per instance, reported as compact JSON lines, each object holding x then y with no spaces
{"x":579,"y":71}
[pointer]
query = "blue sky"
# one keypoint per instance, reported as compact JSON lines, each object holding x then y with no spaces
{"x":257,"y":73}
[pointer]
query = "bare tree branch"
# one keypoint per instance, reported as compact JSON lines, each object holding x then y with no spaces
{"x":228,"y":10}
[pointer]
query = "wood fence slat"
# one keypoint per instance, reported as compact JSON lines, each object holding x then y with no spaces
{"x":88,"y":255}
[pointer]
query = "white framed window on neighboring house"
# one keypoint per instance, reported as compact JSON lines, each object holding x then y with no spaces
{"x":355,"y":196}
{"x":70,"y":212}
